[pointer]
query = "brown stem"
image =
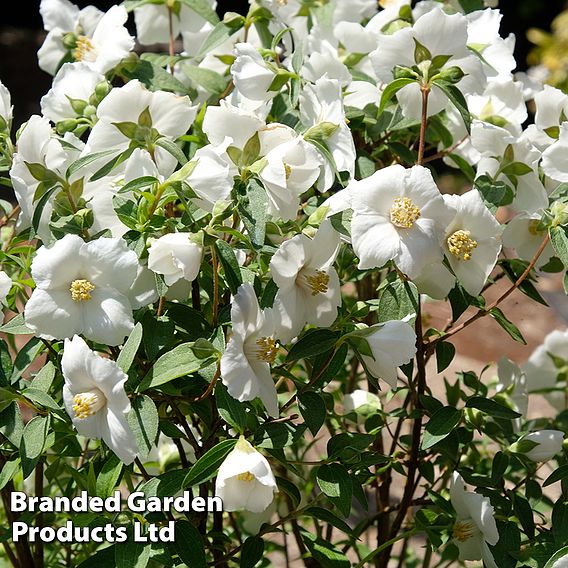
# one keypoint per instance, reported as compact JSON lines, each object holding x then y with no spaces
{"x":444,"y":153}
{"x":483,"y":312}
{"x":143,"y":471}
{"x":171,"y":30}
{"x":160,"y":310}
{"x":38,"y":489}
{"x":11,"y":556}
{"x":425,"y":90}
{"x":211,"y":385}
{"x":215,"y":265}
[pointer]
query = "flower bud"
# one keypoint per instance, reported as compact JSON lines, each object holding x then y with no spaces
{"x":452,"y":75}
{"x":401,"y":72}
{"x":68,"y":125}
{"x":539,"y":446}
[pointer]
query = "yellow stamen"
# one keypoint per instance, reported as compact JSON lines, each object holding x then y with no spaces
{"x":533,"y":228}
{"x":317,"y":282}
{"x":81,"y":290}
{"x":84,"y":50}
{"x":461,"y":245}
{"x":464,"y":530}
{"x":86,"y":404}
{"x":266,"y":349}
{"x":246,"y":476}
{"x":288,"y":171}
{"x":404,"y":213}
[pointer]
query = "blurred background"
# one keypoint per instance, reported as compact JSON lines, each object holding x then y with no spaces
{"x":21,"y":35}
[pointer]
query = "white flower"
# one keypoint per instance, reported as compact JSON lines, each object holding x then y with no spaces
{"x":326,"y":62}
{"x":472,"y":241}
{"x":475,"y":526}
{"x":251,"y":75}
{"x":362,"y":93}
{"x":252,"y":347}
{"x":523,"y":235}
{"x":323,"y":103}
{"x":398,"y":214}
{"x":441,"y":34}
{"x":134,"y":115}
{"x":548,"y":444}
{"x":5,"y":107}
{"x":227,"y":121}
{"x":435,"y":280}
{"x":512,"y":381}
{"x":245,"y":480}
{"x":291,"y":169}
{"x":362,"y":402}
{"x":391,"y":344}
{"x":542,"y":371}
{"x":82,"y":288}
{"x":73,"y":81}
{"x":554,"y":157}
{"x":308,"y":285}
{"x":100,"y":40}
{"x":95,"y":399}
{"x":5,"y":286}
{"x":175,"y":256}
{"x":551,"y":109}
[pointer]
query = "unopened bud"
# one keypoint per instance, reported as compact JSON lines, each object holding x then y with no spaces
{"x":67,"y":125}
{"x":102,"y":90}
{"x":400,"y":72}
{"x":452,"y":74}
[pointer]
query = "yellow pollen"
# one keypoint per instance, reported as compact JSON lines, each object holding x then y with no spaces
{"x":288,"y":171}
{"x":318,"y":282}
{"x":84,"y":50}
{"x":246,"y":476}
{"x":461,"y":245}
{"x":533,"y":228}
{"x":464,"y":530}
{"x":266,"y":349}
{"x":81,"y":290}
{"x":404,"y":213}
{"x":86,"y":404}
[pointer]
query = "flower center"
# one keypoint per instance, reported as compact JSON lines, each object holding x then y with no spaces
{"x":81,"y":290}
{"x":84,"y":50}
{"x":266,"y":349}
{"x":404,"y":213}
{"x":461,"y":245}
{"x":316,"y":281}
{"x":86,"y":404}
{"x":464,"y":530}
{"x":246,"y":476}
{"x":533,"y":228}
{"x":288,"y":171}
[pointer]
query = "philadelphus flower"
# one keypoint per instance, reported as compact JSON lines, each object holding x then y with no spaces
{"x":175,"y":256}
{"x":362,"y":402}
{"x":5,"y":107}
{"x":245,"y":480}
{"x":391,"y":344}
{"x":548,"y":443}
{"x":73,"y":82}
{"x":134,"y":116}
{"x":475,"y":526}
{"x":308,"y":285}
{"x":398,"y":214}
{"x":99,"y":40}
{"x":82,"y":288}
{"x":523,"y":235}
{"x":553,"y":158}
{"x":513,"y":383}
{"x":545,"y":365}
{"x":5,"y":285}
{"x":95,"y":399}
{"x":252,"y":347}
{"x":472,"y":240}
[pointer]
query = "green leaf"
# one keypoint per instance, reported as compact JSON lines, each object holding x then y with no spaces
{"x":154,"y":77}
{"x":492,"y":408}
{"x":132,"y":554}
{"x":138,"y":183}
{"x":516,"y":169}
{"x":112,"y":164}
{"x":202,"y":8}
{"x":130,"y":348}
{"x":499,"y":467}
{"x":40,"y":397}
{"x":207,"y":465}
{"x":290,"y":489}
{"x":8,"y":471}
{"x":458,"y":100}
{"x":217,"y":36}
{"x":189,"y":545}
{"x":323,"y":552}
{"x":231,"y":410}
{"x":507,"y":325}
{"x":176,"y":363}
{"x":398,"y":300}
{"x":313,"y":410}
{"x":445,"y":353}
{"x":143,"y":420}
{"x":211,"y":81}
{"x":440,"y":425}
{"x":391,"y":89}
{"x":25,"y":357}
{"x":39,"y":207}
{"x":108,"y":476}
{"x":559,"y":240}
{"x":334,"y":480}
{"x":494,"y":193}
{"x":328,"y":517}
{"x":557,"y":475}
{"x":44,"y":379}
{"x":253,"y":209}
{"x":252,"y":552}
{"x":173,"y":149}
{"x":33,"y":442}
{"x":312,"y":343}
{"x":230,"y":265}
{"x":11,"y":424}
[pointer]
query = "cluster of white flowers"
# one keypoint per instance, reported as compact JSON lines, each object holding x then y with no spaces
{"x":231,"y":175}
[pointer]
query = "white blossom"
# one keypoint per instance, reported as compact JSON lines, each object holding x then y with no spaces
{"x":95,"y":399}
{"x":175,"y":256}
{"x":548,"y":444}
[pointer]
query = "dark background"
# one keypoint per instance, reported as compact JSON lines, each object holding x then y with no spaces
{"x":21,"y":35}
